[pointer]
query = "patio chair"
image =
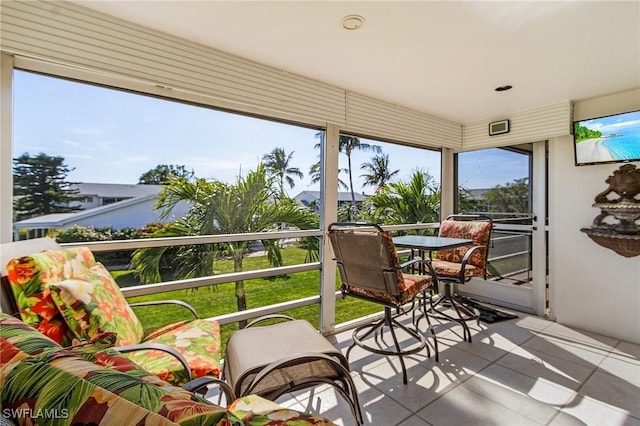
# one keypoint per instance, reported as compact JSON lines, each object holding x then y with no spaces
{"x":283,"y":357}
{"x":459,"y":265}
{"x":370,"y":270}
{"x":69,"y":297}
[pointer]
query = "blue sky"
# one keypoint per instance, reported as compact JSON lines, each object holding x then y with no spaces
{"x":111,"y":136}
{"x":619,"y":123}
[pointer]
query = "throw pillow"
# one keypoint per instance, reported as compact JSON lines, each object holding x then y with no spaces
{"x":92,"y":304}
{"x":30,"y":277}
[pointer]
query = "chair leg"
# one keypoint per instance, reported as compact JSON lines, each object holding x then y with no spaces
{"x":422,"y":306}
{"x":361,"y":333}
{"x":464,"y":314}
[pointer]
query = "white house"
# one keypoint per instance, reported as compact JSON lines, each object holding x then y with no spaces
{"x":313,"y":198}
{"x":117,"y":206}
{"x":100,"y":194}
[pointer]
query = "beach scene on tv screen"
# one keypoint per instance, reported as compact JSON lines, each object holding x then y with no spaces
{"x":607,"y":139}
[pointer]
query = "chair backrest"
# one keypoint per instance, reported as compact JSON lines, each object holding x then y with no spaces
{"x":12,"y":250}
{"x":476,"y":228}
{"x":366,"y":259}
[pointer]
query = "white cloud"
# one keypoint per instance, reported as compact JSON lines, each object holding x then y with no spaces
{"x":88,"y":131}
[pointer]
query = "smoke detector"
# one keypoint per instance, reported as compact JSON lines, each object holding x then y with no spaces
{"x":352,"y":22}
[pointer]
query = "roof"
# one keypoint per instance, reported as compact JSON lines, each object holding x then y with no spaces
{"x":342,"y":196}
{"x":58,"y":220}
{"x":117,"y":190}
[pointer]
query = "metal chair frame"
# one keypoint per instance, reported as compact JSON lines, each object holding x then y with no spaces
{"x":450,"y":298}
{"x":362,"y":333}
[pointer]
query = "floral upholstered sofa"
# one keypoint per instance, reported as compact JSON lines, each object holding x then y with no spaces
{"x":61,"y":362}
{"x":43,"y":383}
{"x":69,"y":297}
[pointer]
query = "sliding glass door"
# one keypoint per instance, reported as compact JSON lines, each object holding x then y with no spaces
{"x":505,"y":184}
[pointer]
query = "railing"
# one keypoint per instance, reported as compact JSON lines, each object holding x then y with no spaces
{"x":505,"y":233}
{"x":510,"y":252}
{"x":193,"y":283}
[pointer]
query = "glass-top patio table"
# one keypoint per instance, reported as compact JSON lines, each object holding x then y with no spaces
{"x":429,"y":243}
{"x":424,"y":243}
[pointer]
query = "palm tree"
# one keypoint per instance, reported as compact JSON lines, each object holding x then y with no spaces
{"x":277,"y":163}
{"x":417,"y":200}
{"x":314,"y":173}
{"x":246,"y":206}
{"x":348,"y":144}
{"x":378,"y":171}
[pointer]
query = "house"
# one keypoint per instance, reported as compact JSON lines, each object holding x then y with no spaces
{"x":313,"y":199}
{"x":115,"y":206}
{"x":100,"y":194}
{"x":425,"y":74}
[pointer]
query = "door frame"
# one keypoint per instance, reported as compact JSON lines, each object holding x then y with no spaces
{"x":532,"y":299}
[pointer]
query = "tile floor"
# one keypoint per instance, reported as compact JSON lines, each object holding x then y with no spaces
{"x":526,"y":371}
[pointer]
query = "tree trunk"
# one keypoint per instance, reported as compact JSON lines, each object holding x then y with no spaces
{"x":354,"y":208}
{"x":241,"y":297}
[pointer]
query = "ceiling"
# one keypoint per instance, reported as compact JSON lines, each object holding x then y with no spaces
{"x":440,"y":57}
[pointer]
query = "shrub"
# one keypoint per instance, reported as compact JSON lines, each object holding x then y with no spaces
{"x":78,"y":233}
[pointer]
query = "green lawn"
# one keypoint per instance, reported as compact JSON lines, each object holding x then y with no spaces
{"x":220,"y":299}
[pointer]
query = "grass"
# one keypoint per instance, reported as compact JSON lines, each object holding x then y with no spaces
{"x":220,"y":299}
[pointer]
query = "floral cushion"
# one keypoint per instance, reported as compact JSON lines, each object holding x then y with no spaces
{"x":75,"y":391}
{"x":451,"y":269}
{"x":198,"y":341}
{"x":255,"y":410}
{"x":30,"y":277}
{"x":91,"y":384}
{"x":92,"y":304}
{"x":407,"y":285}
{"x":24,"y":337}
{"x":410,"y":286}
{"x":478,"y":231}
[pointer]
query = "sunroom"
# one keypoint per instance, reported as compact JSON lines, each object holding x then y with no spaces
{"x":420,"y":82}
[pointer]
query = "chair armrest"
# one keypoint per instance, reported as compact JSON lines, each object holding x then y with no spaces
{"x":347,"y":390}
{"x":416,"y":259}
{"x":156,"y":347}
{"x":200,"y":384}
{"x":269,"y":317}
{"x":167,"y":302}
{"x":426,"y":262}
{"x":464,"y":261}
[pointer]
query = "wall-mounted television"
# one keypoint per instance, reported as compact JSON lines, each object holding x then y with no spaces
{"x":609,"y":139}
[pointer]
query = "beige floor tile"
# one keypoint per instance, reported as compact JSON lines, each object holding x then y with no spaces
{"x":567,"y":419}
{"x":630,"y":351}
{"x":512,"y":331}
{"x":531,"y":322}
{"x":622,"y":368}
{"x":613,"y":391}
{"x":379,"y":409}
{"x":323,"y":401}
{"x":627,"y":352}
{"x":539,"y":365}
{"x":535,"y":399}
{"x":461,"y":406}
{"x":489,"y":344}
{"x":570,"y":334}
{"x":587,"y":411}
{"x":573,"y":351}
{"x":414,"y":421}
{"x":520,"y":372}
{"x":427,"y":382}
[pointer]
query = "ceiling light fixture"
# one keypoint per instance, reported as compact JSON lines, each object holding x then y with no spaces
{"x":503,"y":88}
{"x":352,"y":22}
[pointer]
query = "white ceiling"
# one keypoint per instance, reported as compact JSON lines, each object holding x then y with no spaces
{"x":441,"y":57}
